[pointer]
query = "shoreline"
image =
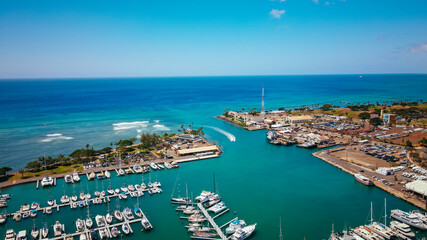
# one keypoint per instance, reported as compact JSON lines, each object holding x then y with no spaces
{"x":340,"y":164}
{"x":7,"y":184}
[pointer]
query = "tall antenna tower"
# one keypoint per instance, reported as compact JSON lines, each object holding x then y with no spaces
{"x":262,"y":105}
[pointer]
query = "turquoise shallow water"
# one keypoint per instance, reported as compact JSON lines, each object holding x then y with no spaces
{"x":259,"y":181}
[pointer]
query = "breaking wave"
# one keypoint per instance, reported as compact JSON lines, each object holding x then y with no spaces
{"x":55,"y":136}
{"x":129,"y":125}
{"x":160,"y":127}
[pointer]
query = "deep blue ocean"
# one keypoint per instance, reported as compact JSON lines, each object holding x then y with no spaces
{"x":259,"y":181}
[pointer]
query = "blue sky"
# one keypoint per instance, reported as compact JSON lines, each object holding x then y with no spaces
{"x":72,"y":38}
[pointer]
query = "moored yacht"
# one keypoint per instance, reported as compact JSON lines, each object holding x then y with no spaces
{"x":76,"y":177}
{"x":364,"y":180}
{"x":234,"y":225}
{"x":243,"y":233}
{"x":58,"y":229}
{"x":46,"y":181}
{"x":68,"y":178}
{"x":402,"y":228}
{"x":408,"y":218}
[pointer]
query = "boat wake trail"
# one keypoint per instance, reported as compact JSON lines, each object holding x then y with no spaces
{"x":230,"y":136}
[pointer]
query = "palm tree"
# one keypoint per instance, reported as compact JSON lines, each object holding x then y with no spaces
{"x":87,"y":145}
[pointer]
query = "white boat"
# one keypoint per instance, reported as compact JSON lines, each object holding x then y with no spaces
{"x":138,"y":212}
{"x":65,"y":199}
{"x":100,"y":221}
{"x":50,"y":202}
{"x":91,"y":176}
{"x":68,"y":178}
{"x":160,"y":166}
{"x":110,"y":191}
{"x":58,"y":229}
{"x":126,"y":228}
{"x":364,"y":180}
{"x":80,"y":225}
{"x":22,"y":235}
{"x":82,"y":196}
{"x":234,"y":225}
{"x":146,"y":224}
{"x":402,"y":228}
{"x":143,"y":186}
{"x":76,"y":177}
{"x":408,"y":218}
{"x":109,"y":218}
{"x":243,"y":233}
{"x":118,"y":215}
{"x":381,"y":230}
{"x":365,"y":233}
{"x":83,"y":236}
{"x":138,"y":187}
{"x":421,"y":216}
{"x":115,"y":232}
{"x":123,"y":196}
{"x":168,"y":165}
{"x":46,"y":181}
{"x":10,"y":235}
{"x":34,"y":232}
{"x":154,"y":166}
{"x":199,"y":229}
{"x":124,"y":189}
{"x":137,"y":169}
{"x":74,"y":198}
{"x":131,"y":187}
{"x":44,"y":232}
{"x":128,"y":214}
{"x":89,"y":222}
{"x":107,"y":174}
{"x":217,"y":208}
{"x":121,"y":172}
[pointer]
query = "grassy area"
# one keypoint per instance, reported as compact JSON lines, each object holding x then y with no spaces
{"x":58,"y":170}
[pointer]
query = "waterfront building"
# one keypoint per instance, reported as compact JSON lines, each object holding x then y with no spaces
{"x":299,"y":119}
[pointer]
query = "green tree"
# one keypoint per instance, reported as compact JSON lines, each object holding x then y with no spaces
{"x":326,"y":107}
{"x":4,"y":170}
{"x":423,"y":142}
{"x":364,"y":115}
{"x":375,"y":121}
{"x":409,"y":143}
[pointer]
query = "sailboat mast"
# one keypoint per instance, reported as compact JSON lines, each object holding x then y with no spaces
{"x":371,"y":214}
{"x":280,"y":226}
{"x":385,"y":211}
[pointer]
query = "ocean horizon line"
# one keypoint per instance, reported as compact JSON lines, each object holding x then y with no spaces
{"x":197,"y":76}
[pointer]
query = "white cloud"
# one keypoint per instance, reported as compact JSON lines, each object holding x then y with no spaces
{"x":327,"y":3}
{"x":276,"y":13}
{"x":316,"y":1}
{"x":282,"y":0}
{"x":419,"y":48}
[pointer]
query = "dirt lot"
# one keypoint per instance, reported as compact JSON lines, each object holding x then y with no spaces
{"x":360,"y":158}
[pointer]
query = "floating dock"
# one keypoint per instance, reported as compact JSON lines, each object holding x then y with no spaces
{"x":88,"y":232}
{"x":212,"y":223}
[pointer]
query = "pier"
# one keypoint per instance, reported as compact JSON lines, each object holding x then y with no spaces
{"x":88,"y":232}
{"x":94,"y":200}
{"x":212,"y":223}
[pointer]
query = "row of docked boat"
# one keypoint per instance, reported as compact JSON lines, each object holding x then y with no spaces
{"x":83,"y":226}
{"x":3,"y":200}
{"x":72,"y":178}
{"x":400,"y":229}
{"x":85,"y":199}
{"x":200,"y":220}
